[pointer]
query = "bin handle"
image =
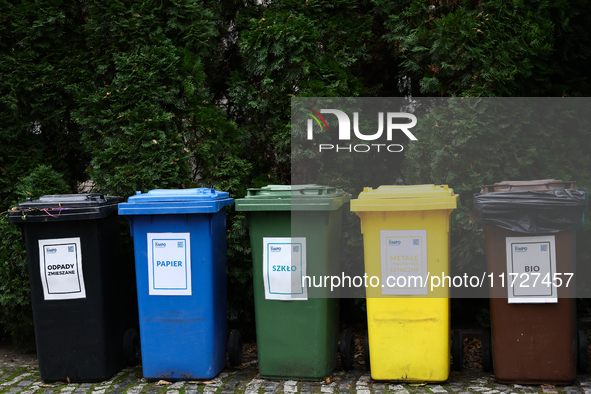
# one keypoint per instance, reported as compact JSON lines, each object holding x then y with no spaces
{"x":319,"y":191}
{"x":540,"y":188}
{"x":95,"y":197}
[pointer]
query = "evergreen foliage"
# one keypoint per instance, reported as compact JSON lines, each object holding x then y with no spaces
{"x":133,"y":95}
{"x":15,"y":293}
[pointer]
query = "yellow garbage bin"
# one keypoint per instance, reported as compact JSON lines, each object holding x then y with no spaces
{"x":406,"y":243}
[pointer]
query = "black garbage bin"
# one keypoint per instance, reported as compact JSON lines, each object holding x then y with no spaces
{"x":77,"y":280}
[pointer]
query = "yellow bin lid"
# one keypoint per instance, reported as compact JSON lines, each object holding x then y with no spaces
{"x":405,"y":198}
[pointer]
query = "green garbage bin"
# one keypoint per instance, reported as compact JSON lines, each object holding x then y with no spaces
{"x":295,"y":232}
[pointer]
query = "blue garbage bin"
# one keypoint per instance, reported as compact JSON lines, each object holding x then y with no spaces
{"x":180,"y":261}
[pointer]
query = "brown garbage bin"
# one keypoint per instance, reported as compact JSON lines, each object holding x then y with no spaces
{"x":533,"y":337}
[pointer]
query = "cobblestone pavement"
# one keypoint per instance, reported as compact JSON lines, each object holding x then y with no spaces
{"x":23,"y":377}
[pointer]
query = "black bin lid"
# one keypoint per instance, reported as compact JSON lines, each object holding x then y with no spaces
{"x":544,"y":206}
{"x":64,"y":207}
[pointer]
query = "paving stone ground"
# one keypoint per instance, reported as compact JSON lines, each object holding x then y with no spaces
{"x":22,"y":376}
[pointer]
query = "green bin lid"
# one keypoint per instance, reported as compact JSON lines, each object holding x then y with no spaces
{"x":293,"y":198}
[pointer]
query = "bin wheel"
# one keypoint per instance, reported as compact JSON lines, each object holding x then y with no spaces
{"x":486,"y":349}
{"x":347,"y":350}
{"x":131,"y":348}
{"x":457,"y":351}
{"x":235,"y":348}
{"x":366,"y":351}
{"x":582,"y":352}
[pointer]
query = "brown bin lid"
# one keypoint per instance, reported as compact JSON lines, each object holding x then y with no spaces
{"x":540,"y":185}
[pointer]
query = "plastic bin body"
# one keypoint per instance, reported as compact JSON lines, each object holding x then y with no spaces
{"x":295,"y":339}
{"x":409,"y":335}
{"x":80,"y":339}
{"x":182,"y":336}
{"x":532,"y":343}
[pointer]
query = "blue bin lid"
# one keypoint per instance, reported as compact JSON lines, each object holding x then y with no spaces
{"x":175,"y":201}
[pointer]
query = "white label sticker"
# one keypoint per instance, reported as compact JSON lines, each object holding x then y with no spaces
{"x":169,"y":264}
{"x":531,"y":269}
{"x":284,"y":268}
{"x":60,"y":264}
{"x":404,"y":261}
